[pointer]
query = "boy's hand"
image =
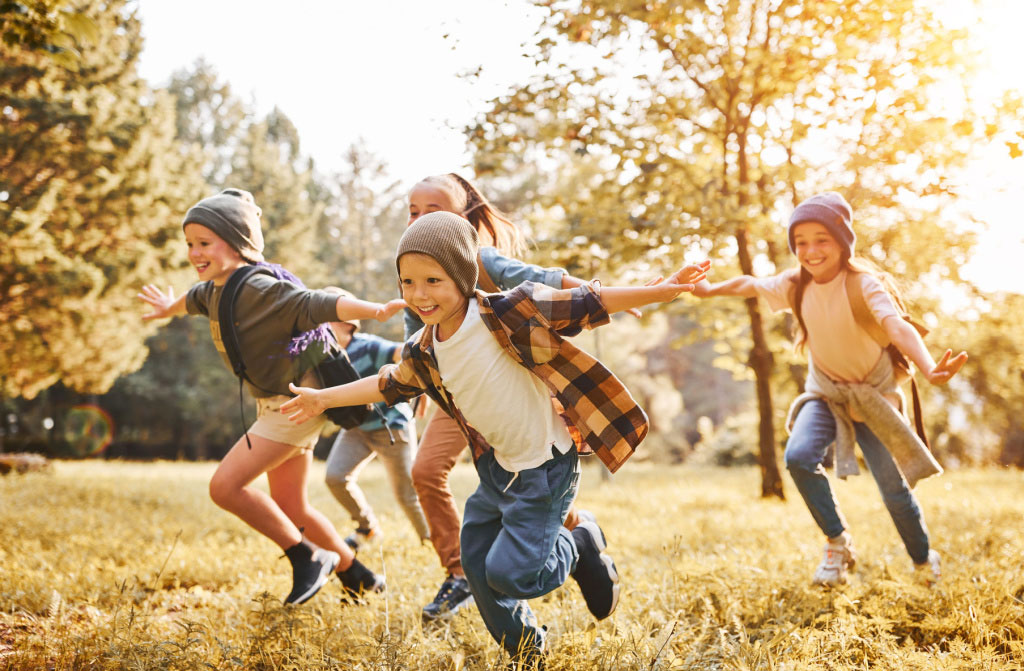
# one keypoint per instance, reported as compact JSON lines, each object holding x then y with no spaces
{"x":687,"y":277}
{"x":162,"y":303}
{"x":947,"y":367}
{"x":388,"y":310}
{"x":305,"y":405}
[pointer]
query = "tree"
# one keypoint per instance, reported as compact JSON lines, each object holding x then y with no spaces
{"x":89,"y":178}
{"x":711,"y":119}
{"x":50,"y":27}
{"x":362,"y":226}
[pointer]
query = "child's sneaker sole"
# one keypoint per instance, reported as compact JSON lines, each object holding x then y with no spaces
{"x":589,"y":526}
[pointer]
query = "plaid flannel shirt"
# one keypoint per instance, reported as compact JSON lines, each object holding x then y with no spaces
{"x":530,"y":323}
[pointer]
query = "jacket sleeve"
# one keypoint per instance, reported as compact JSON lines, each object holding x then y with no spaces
{"x":567,"y":311}
{"x":508,"y":273}
{"x":399,"y":381}
{"x":291,"y":305}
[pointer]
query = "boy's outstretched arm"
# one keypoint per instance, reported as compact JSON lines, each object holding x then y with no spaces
{"x":164,"y":305}
{"x":617,"y":299}
{"x":741,"y":285}
{"x":309,"y":402}
{"x":354,"y":308}
{"x":908,"y":341}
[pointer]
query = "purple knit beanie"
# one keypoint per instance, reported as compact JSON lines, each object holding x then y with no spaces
{"x":832,"y":211}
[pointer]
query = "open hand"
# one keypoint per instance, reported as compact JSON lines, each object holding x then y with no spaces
{"x":160,"y":301}
{"x":305,"y":405}
{"x":388,"y":310}
{"x":687,"y":277}
{"x":947,"y":367}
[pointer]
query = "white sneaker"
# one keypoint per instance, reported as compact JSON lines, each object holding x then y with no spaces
{"x":839,"y":558}
{"x":930,"y":572}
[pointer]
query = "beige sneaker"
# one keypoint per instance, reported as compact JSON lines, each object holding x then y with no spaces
{"x":839,"y":558}
{"x":930,"y":572}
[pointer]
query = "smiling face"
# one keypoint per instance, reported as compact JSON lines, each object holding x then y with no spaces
{"x":213,"y":258}
{"x":431,"y":293}
{"x":817,"y":251}
{"x":425,"y":198}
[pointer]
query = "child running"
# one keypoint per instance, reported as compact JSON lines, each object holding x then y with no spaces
{"x":493,"y":362}
{"x":389,"y":435}
{"x":442,"y":440}
{"x":223,"y":234}
{"x":852,"y":393}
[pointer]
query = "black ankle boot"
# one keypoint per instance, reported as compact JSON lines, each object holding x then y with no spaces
{"x":357,"y":580}
{"x":311,"y":568}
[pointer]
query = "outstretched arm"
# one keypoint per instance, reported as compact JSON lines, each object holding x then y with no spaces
{"x":353,"y":308}
{"x":309,"y":402}
{"x":617,"y":299}
{"x":164,"y":305}
{"x":908,"y":341}
{"x":741,"y":285}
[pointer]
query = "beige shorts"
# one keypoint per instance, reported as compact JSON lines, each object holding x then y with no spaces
{"x":273,"y":425}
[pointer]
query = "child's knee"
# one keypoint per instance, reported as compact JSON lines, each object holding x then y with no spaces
{"x":426,"y":477}
{"x":221,"y":489}
{"x":337,"y":480}
{"x":799,"y":455}
{"x":517,"y":581}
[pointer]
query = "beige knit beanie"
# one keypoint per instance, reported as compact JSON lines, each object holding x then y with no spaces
{"x":234,"y":216}
{"x":448,"y":239}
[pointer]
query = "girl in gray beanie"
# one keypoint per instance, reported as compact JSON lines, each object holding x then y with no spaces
{"x":224,"y":235}
{"x":852,"y":321}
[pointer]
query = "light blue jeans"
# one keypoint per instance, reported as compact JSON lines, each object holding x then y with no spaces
{"x":514,"y":546}
{"x":813,"y":432}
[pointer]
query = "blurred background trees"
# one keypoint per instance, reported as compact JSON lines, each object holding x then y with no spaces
{"x":683,"y":125}
{"x":652,"y":133}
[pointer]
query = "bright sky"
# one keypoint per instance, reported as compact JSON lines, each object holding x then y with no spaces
{"x":387,"y":72}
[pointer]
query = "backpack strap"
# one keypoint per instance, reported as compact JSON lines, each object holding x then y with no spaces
{"x":866,"y":320}
{"x":483,"y":278}
{"x":861,"y":313}
{"x":229,"y":333}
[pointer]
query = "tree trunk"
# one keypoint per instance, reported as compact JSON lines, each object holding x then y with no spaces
{"x":762,"y":362}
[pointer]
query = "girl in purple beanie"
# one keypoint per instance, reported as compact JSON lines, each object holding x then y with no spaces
{"x":851,"y":320}
{"x":223,"y":234}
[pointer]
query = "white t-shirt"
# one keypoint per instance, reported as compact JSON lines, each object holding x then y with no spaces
{"x":505,"y":402}
{"x":839,"y":347}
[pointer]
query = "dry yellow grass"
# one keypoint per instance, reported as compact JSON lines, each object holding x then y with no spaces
{"x":107,"y":565}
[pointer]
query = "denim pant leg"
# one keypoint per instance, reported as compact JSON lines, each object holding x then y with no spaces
{"x":813,"y":432}
{"x":514,"y":546}
{"x":896,"y":494}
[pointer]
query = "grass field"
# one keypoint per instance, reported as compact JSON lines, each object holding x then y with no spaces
{"x":111,"y":565}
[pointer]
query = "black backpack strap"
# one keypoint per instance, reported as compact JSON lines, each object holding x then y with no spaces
{"x":229,"y":334}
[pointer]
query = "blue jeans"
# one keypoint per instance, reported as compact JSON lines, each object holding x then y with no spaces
{"x":813,"y":432}
{"x":514,"y":546}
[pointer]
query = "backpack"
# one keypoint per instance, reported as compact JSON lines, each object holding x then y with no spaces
{"x":334,"y":370}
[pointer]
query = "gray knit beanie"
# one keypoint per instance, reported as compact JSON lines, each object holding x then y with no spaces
{"x":234,"y":216}
{"x":832,"y":211}
{"x":448,"y":239}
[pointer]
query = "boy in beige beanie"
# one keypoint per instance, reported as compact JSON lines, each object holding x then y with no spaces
{"x":493,"y":362}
